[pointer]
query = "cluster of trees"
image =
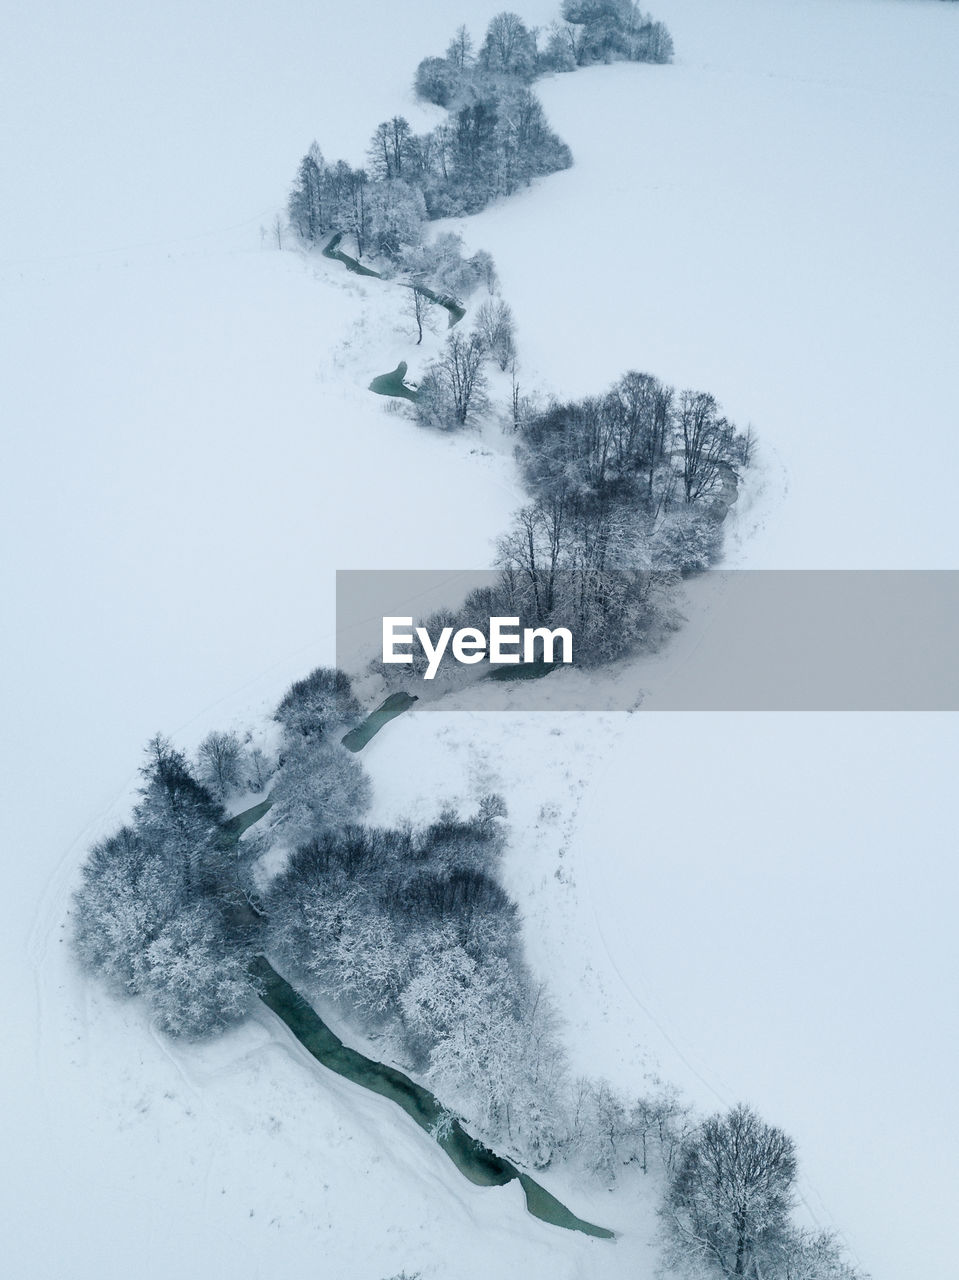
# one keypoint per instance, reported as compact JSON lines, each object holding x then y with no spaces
{"x":442,"y":263}
{"x":158,"y":913}
{"x":412,"y":935}
{"x":610,"y":1132}
{"x":592,"y":31}
{"x":639,"y":477}
{"x":383,"y":217}
{"x":386,"y":218}
{"x":728,"y":1202}
{"x":453,"y":389}
{"x":587,"y":32}
{"x":319,"y":787}
{"x":640,"y":443}
{"x":489,"y":147}
{"x":166,"y":908}
{"x":495,"y":140}
{"x":492,"y":144}
{"x":228,"y":765}
{"x":409,"y":932}
{"x":629,"y":490}
{"x":609,"y":613}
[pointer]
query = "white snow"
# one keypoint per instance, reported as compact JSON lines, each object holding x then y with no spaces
{"x":191,"y":454}
{"x":761,"y":901}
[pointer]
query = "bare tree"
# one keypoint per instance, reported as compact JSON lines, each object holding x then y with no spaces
{"x":729,"y":1200}
{"x":352,"y":196}
{"x":485,"y":268}
{"x":675,"y":1124}
{"x":639,"y":407}
{"x":460,"y":369}
{"x":260,"y":769}
{"x":459,"y":54}
{"x":509,"y":47}
{"x":813,"y":1255}
{"x":219,"y":758}
{"x":494,"y":321}
{"x":534,"y":550}
{"x":417,"y":308}
{"x":307,"y":206}
{"x":388,"y":148}
{"x":574,"y":38}
{"x":746,"y":446}
{"x":707,"y":441}
{"x":515,"y":396}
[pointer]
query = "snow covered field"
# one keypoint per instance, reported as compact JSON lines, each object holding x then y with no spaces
{"x":191,"y":454}
{"x":769,"y":894}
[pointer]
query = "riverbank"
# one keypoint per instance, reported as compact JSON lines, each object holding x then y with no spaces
{"x":474,"y":1160}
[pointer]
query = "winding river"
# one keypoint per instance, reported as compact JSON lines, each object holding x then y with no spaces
{"x":394,"y":705}
{"x":475,"y":1161}
{"x":451,"y":305}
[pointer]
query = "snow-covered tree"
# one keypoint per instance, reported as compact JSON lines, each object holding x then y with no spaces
{"x":612,"y":30}
{"x":307,"y":207}
{"x":492,"y":1047}
{"x":195,"y":976}
{"x":319,"y":705}
{"x":509,"y":48}
{"x":687,"y":539}
{"x":396,"y":215}
{"x":318,"y":787}
{"x":442,"y":264}
{"x":388,"y":148}
{"x":453,"y":390}
{"x":144,"y":925}
{"x":811,"y":1255}
{"x":603,"y":1133}
{"x":259,"y":769}
{"x":707,"y":443}
{"x":220,"y":764}
{"x":728,"y":1202}
{"x":129,"y":889}
{"x":494,"y":321}
{"x":459,"y":53}
{"x":179,"y":814}
{"x":436,"y":81}
{"x":417,"y":309}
